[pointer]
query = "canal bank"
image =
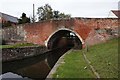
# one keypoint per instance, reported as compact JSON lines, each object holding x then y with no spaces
{"x":57,"y":64}
{"x":31,"y":62}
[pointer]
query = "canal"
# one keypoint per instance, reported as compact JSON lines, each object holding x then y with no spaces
{"x":35,"y":67}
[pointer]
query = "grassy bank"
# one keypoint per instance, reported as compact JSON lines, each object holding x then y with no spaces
{"x":103,"y":57}
{"x":17,"y":45}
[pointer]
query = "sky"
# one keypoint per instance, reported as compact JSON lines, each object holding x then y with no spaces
{"x":77,"y":8}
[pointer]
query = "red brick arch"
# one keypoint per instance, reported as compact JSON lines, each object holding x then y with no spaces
{"x":80,"y":38}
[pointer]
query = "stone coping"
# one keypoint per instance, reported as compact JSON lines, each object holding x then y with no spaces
{"x":10,"y":54}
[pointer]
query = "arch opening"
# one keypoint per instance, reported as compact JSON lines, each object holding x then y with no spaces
{"x":66,"y":38}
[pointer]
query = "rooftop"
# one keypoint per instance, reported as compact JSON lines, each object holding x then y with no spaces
{"x":116,"y":12}
{"x":9,"y":17}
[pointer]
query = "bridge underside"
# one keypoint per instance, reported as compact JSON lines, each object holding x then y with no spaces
{"x":64,"y":38}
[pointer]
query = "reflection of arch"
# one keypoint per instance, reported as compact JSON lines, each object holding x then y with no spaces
{"x":46,"y":42}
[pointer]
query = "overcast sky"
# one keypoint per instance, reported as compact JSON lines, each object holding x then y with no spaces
{"x":77,"y":8}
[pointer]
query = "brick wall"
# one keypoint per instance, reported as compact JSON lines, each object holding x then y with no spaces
{"x":13,"y":33}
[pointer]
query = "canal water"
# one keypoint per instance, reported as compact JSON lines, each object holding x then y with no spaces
{"x":36,"y":68}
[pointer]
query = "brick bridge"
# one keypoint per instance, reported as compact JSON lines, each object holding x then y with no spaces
{"x":87,"y":30}
{"x":51,"y":33}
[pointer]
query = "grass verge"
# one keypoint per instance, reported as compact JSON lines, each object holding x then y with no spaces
{"x":103,"y":57}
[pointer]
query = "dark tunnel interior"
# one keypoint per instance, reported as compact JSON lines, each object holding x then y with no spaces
{"x":64,"y":38}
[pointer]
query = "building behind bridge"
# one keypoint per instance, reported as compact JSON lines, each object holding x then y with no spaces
{"x":114,"y":14}
{"x":7,"y":20}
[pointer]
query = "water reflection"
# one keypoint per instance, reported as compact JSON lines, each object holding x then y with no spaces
{"x":35,"y":67}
